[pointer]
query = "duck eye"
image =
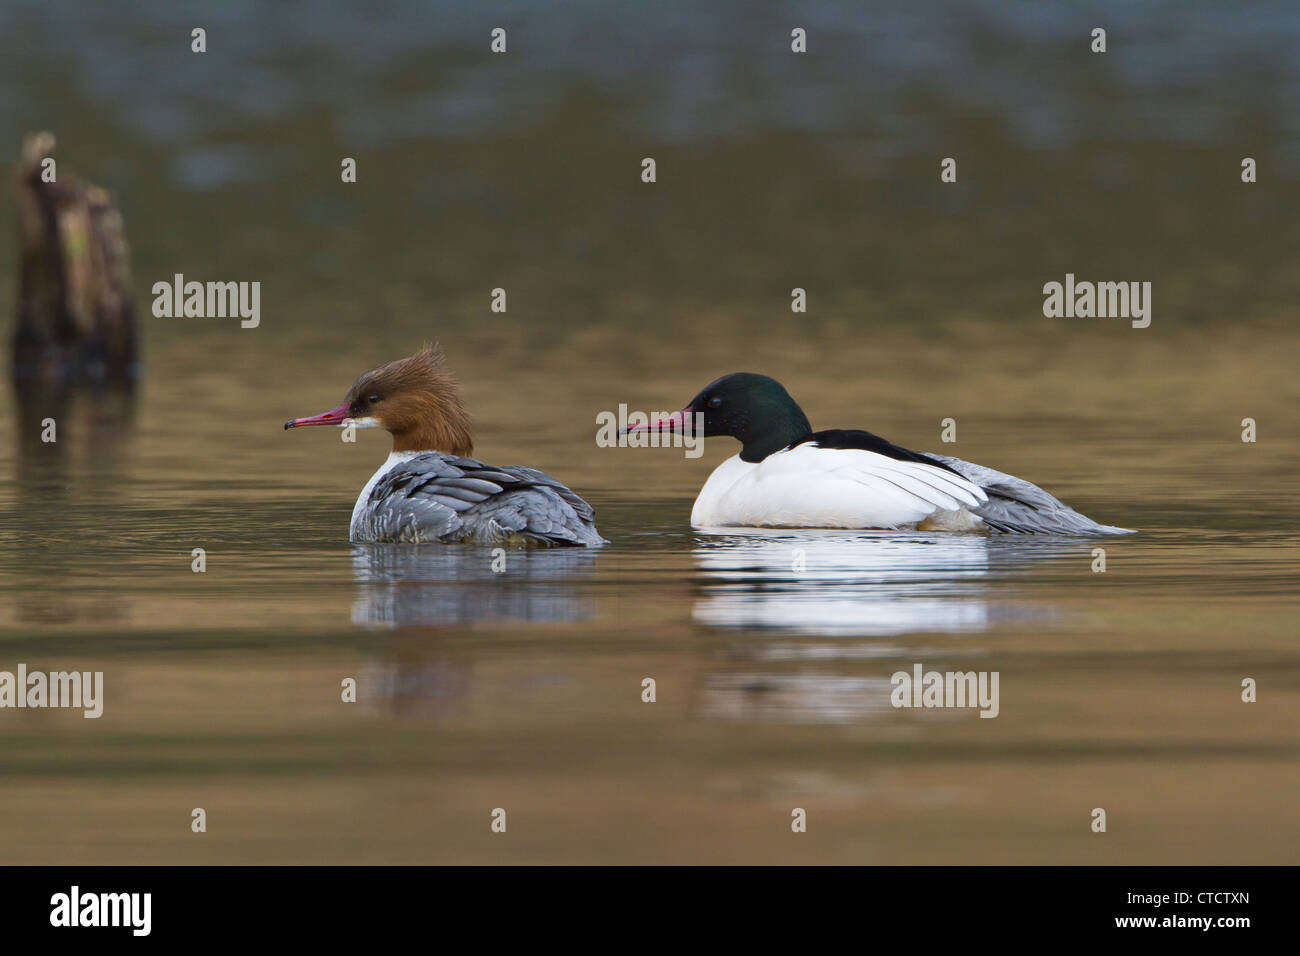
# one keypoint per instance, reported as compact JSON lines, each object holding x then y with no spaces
{"x":715,"y":402}
{"x":372,"y":399}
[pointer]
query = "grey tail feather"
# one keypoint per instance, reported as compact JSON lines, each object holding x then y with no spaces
{"x":1016,"y":506}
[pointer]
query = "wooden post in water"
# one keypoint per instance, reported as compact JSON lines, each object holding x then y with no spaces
{"x":74,"y":360}
{"x":76,"y":318}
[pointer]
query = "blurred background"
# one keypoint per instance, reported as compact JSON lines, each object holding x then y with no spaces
{"x":775,"y":170}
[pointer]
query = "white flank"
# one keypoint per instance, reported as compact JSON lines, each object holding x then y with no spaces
{"x":812,"y":487}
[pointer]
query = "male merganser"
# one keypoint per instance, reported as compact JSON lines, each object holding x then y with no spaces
{"x":788,"y":476}
{"x":429,"y":489}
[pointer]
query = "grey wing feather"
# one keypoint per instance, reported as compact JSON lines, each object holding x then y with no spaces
{"x":436,"y":497}
{"x":932,"y":484}
{"x":583,"y":510}
{"x":1016,"y":505}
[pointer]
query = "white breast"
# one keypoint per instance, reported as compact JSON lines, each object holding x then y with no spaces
{"x":358,"y":510}
{"x":811,"y":487}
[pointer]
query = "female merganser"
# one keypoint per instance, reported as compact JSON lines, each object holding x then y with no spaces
{"x":428,"y":489}
{"x":788,"y":476}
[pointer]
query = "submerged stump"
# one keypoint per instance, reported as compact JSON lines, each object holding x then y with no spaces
{"x":75,"y":318}
{"x":74,"y":359}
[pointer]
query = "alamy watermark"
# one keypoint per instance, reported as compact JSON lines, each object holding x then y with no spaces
{"x":76,"y":908}
{"x":37,"y":689}
{"x":946,"y":689}
{"x":1102,"y":300}
{"x":179,"y":299}
{"x":624,"y":429}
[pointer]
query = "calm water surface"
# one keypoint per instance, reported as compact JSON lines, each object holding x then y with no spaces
{"x":772,"y":652}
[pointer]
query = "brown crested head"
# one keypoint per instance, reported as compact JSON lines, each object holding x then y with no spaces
{"x":417,"y":400}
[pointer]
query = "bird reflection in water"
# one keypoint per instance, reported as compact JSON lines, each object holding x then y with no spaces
{"x":788,"y":585}
{"x":410,"y":585}
{"x":843,"y":583}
